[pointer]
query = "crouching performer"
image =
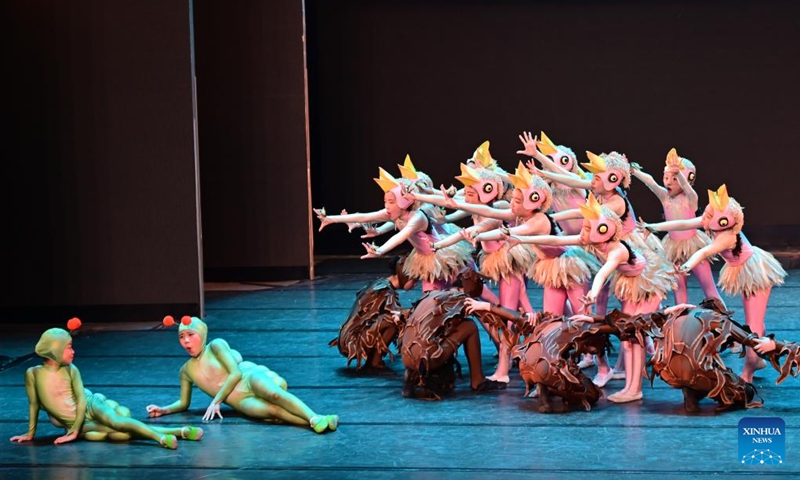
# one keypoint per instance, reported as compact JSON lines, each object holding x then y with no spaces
{"x":436,"y":326}
{"x":57,"y":388}
{"x":688,"y":355}
{"x":372,"y":325}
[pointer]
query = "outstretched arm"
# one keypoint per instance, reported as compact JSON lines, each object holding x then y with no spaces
{"x":570,"y":180}
{"x":325,"y":219}
{"x":417,"y":223}
{"x":180,"y":405}
{"x":560,"y":240}
{"x":721,"y":242}
{"x":566,"y":215}
{"x":33,"y":407}
{"x":673,"y":225}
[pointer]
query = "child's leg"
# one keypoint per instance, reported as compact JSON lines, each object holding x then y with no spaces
{"x":258,"y":408}
{"x":487,"y":295}
{"x":703,"y":274}
{"x":554,"y":300}
{"x":265,"y":389}
{"x":755,"y":307}
{"x":105,"y":415}
{"x":509,"y":298}
{"x":524,"y":301}
{"x":680,"y":293}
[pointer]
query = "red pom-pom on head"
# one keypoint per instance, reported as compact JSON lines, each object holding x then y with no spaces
{"x":74,"y":323}
{"x":169,"y":321}
{"x":186,"y":320}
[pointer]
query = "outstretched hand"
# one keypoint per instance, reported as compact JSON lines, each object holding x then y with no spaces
{"x":588,"y":299}
{"x":511,"y":240}
{"x":407,"y":194}
{"x":22,"y":438}
{"x":477,"y":305}
{"x":764,"y":345}
{"x":155,"y":411}
{"x":212,"y":411}
{"x":70,"y":437}
{"x":449,"y":201}
{"x":323,"y":218}
{"x":529,"y":142}
{"x":372,"y":251}
{"x":580,"y":318}
{"x":369,"y":231}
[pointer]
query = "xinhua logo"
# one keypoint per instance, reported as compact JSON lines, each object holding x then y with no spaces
{"x":762,"y":441}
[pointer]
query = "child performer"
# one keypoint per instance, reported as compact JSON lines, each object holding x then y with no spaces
{"x":748,"y":270}
{"x":637,"y":280}
{"x":57,"y":388}
{"x":254,"y":390}
{"x":436,"y":269}
{"x":680,"y":203}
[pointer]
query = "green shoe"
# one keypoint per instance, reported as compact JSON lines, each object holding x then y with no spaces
{"x":191,"y":433}
{"x":169,"y":441}
{"x":333,"y":422}
{"x":319,"y":423}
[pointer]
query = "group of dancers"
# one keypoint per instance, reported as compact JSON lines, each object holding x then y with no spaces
{"x":572,"y":231}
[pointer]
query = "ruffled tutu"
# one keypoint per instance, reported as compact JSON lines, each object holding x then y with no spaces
{"x":656,"y":280}
{"x":759,"y":272}
{"x":575,"y":265}
{"x":678,"y":252}
{"x":505,"y":262}
{"x":443,"y":264}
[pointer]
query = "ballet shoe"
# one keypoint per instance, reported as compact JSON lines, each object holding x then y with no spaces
{"x":586,"y":362}
{"x":500,"y":379}
{"x":601,"y":379}
{"x":169,"y":441}
{"x":333,"y":422}
{"x":534,"y":393}
{"x":191,"y":433}
{"x":624,"y":397}
{"x":319,"y":423}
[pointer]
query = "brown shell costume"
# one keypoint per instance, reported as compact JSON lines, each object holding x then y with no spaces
{"x":549,"y":355}
{"x":361,"y":336}
{"x":687,"y":357}
{"x":427,"y":332}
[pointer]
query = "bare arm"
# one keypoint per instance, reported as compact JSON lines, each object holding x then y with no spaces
{"x":566,"y":215}
{"x":558,"y":240}
{"x":673,"y":225}
{"x":570,"y":180}
{"x":80,"y":406}
{"x":691,"y":195}
{"x":720,"y":243}
{"x":417,"y":223}
{"x":617,"y":256}
{"x":325,"y":219}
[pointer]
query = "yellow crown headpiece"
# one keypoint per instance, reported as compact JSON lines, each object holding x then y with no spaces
{"x":483,"y":156}
{"x":546,"y":146}
{"x":673,"y":160}
{"x":469,"y":176}
{"x":719,"y":199}
{"x":385,"y":180}
{"x":597,"y":164}
{"x":591,"y":209}
{"x":521,"y":178}
{"x":407,"y":169}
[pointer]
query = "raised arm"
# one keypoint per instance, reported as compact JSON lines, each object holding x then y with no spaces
{"x":647,"y":179}
{"x":673,"y":225}
{"x":691,"y":195}
{"x":180,"y":405}
{"x":721,"y":242}
{"x":33,"y":407}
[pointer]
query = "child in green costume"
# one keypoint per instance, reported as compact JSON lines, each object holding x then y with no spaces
{"x":57,"y":388}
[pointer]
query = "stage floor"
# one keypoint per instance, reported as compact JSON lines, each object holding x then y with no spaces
{"x":381,"y":435}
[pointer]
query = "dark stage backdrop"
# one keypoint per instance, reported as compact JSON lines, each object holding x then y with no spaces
{"x":99,"y":195}
{"x":717,"y":80}
{"x":253,"y":147}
